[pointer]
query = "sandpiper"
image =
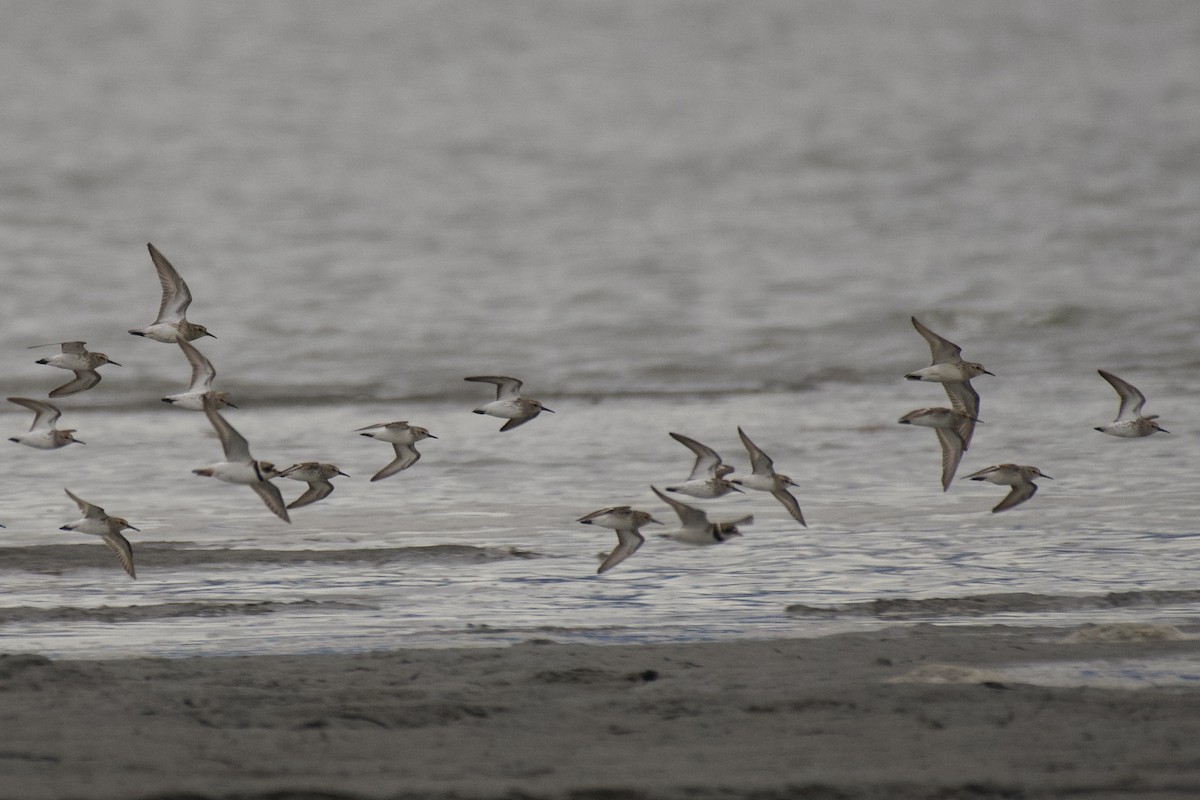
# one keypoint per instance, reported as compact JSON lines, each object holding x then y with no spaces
{"x":950,"y":427}
{"x":695,"y":527}
{"x":241,"y":467}
{"x":509,"y":404}
{"x":76,"y":358}
{"x":42,"y":434}
{"x":626,"y":522}
{"x":1020,"y":478}
{"x":97,"y":523}
{"x":707,"y":479}
{"x":171,"y":325}
{"x":402,"y":437}
{"x":949,"y":369}
{"x":766,"y":479}
{"x":1129,"y":424}
{"x":317,"y":476}
{"x":200,"y":388}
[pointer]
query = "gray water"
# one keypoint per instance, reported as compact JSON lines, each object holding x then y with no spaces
{"x":662,"y":216}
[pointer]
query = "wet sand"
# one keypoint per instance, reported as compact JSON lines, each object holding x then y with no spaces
{"x":908,"y":712}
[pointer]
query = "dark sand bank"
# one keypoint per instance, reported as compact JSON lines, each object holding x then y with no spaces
{"x":913,"y":712}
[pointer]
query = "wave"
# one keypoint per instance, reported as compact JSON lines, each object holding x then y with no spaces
{"x":109,"y":614}
{"x":980,"y":605}
{"x":56,"y":557}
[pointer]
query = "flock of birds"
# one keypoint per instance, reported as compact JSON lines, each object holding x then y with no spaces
{"x":708,"y":479}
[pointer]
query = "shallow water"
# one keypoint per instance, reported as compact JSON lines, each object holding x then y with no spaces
{"x":662,"y":216}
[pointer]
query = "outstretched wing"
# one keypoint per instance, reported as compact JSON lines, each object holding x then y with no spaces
{"x":317,"y":490}
{"x":1019,"y":494}
{"x":628,"y":542}
{"x":120,"y":545}
{"x":505,"y":387}
{"x":1132,"y":399}
{"x":84,"y":379}
{"x":952,"y":450}
{"x":760,"y":462}
{"x":89,"y":510}
{"x":689,"y":516}
{"x":45,"y":415}
{"x":707,"y":460}
{"x":176,"y":296}
{"x":270,"y":495}
{"x":406,"y":456}
{"x":942,"y":350}
{"x":233,"y":443}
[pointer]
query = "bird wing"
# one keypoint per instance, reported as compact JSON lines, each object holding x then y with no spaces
{"x":203,"y":371}
{"x":965,"y":400}
{"x":176,"y":296}
{"x":513,"y":423}
{"x":317,"y":490}
{"x":84,"y":379}
{"x":952,"y":450}
{"x":120,"y":545}
{"x":270,"y":495}
{"x":689,"y":516}
{"x":1019,"y":494}
{"x":603,"y":511}
{"x":45,"y":415}
{"x":628,"y":542}
{"x":90,"y":511}
{"x":233,"y":443}
{"x":1132,"y":400}
{"x":505,"y":387}
{"x":707,"y":460}
{"x":943,"y":350}
{"x":406,"y":456}
{"x":75,"y":348}
{"x":981,"y":474}
{"x":760,"y":462}
{"x":790,"y":503}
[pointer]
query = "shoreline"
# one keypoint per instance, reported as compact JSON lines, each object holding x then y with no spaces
{"x":903,"y":712}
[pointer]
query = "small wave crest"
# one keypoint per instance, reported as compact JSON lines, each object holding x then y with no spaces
{"x":902,"y":608}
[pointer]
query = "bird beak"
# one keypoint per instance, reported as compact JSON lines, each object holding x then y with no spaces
{"x":130,"y":527}
{"x":1047,"y":477}
{"x":431,"y":436}
{"x":343,"y":474}
{"x":206,"y":333}
{"x":231,"y":405}
{"x":114,"y":363}
{"x":551,"y":410}
{"x":736,"y":489}
{"x":656,"y":522}
{"x":985,"y":372}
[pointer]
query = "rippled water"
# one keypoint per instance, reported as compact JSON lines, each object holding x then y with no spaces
{"x":663,"y":216}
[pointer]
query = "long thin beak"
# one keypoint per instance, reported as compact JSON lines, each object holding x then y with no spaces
{"x":431,"y":436}
{"x":656,"y":522}
{"x":985,"y":372}
{"x":551,"y":410}
{"x":343,"y":473}
{"x":736,"y":489}
{"x":1047,"y":477}
{"x":130,"y":527}
{"x":115,"y":363}
{"x":213,"y":335}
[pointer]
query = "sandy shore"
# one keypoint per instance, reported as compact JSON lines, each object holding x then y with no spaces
{"x":910,"y":712}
